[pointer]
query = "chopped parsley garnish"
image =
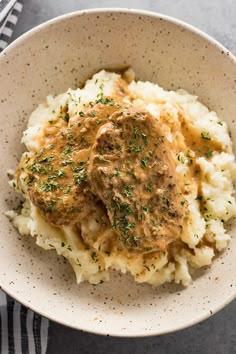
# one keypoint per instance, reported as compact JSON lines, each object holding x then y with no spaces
{"x":48,"y":186}
{"x":94,"y":257}
{"x":67,"y":117}
{"x":144,"y":162}
{"x":153,"y":223}
{"x":41,"y":152}
{"x":80,"y":176}
{"x":60,"y":173}
{"x":106,"y":101}
{"x":67,"y":189}
{"x":78,"y":168}
{"x":145,"y":266}
{"x":181,"y":158}
{"x":149,"y":187}
{"x":37,"y":168}
{"x":116,"y":173}
{"x":128,"y":191}
{"x":145,"y":209}
{"x":70,"y":136}
{"x":205,"y":135}
{"x":122,"y":207}
{"x":101,"y":87}
{"x":136,"y":133}
{"x":144,"y":137}
{"x":101,"y":158}
{"x":164,"y":208}
{"x":66,"y":162}
{"x":149,"y":248}
{"x":31,"y":180}
{"x":47,"y":159}
{"x":53,"y":204}
{"x":134,"y":240}
{"x":66,"y":151}
{"x":135,"y":148}
{"x":209,"y":154}
{"x":128,"y":225}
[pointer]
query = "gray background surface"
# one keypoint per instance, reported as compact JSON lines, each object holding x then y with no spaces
{"x":217,"y":334}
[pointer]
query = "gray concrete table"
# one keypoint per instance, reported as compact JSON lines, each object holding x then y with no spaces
{"x":217,"y":334}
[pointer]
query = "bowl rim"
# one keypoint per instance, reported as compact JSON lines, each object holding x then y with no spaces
{"x":123,"y":10}
{"x":188,"y":27}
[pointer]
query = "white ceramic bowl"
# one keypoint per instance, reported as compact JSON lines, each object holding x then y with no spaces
{"x":63,"y":53}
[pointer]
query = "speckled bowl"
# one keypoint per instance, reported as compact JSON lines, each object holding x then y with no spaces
{"x":63,"y":53}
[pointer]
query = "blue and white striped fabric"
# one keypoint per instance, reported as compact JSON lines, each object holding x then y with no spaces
{"x":8,"y":20}
{"x":22,"y":331}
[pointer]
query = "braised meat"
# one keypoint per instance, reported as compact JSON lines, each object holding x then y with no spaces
{"x":131,"y":169}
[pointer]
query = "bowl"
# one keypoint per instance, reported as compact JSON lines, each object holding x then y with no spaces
{"x":63,"y":53}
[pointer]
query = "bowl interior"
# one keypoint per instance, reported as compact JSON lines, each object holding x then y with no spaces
{"x":64,"y":53}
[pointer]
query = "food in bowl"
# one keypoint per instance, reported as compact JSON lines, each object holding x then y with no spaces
{"x":123,"y":175}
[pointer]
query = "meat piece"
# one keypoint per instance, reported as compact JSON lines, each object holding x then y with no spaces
{"x":57,"y":181}
{"x":131,"y":169}
{"x":57,"y":177}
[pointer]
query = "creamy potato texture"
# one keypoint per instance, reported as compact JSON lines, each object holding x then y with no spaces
{"x":123,"y":175}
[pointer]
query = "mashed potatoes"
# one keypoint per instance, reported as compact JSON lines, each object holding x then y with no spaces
{"x":184,"y":232}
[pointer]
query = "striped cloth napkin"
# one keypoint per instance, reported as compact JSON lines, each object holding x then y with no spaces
{"x":8,"y":20}
{"x":22,"y":331}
